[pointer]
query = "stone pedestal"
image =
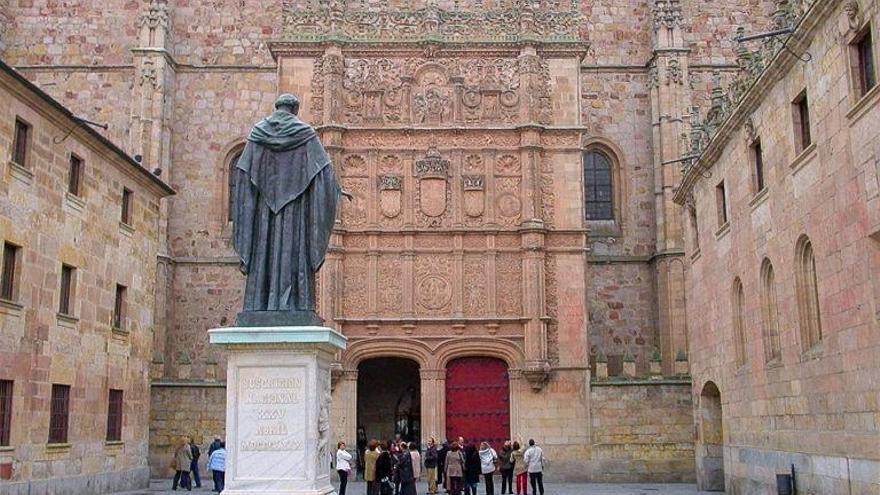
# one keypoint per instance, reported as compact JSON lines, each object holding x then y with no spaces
{"x":278,"y":439}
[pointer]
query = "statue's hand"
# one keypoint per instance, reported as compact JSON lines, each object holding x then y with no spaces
{"x":347,"y":194}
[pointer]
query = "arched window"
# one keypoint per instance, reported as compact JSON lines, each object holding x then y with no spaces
{"x":230,"y":186}
{"x":739,"y":333}
{"x":598,"y":186}
{"x":807,"y":294}
{"x":769,"y":308}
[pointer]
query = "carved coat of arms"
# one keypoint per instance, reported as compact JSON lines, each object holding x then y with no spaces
{"x":473,"y":195}
{"x":432,"y":173}
{"x":390,"y":186}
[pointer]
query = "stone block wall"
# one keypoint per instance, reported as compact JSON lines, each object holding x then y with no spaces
{"x":179,"y":408}
{"x":816,"y":406}
{"x":641,"y":431}
{"x":39,"y":346}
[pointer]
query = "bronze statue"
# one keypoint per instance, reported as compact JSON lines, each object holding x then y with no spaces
{"x":283,"y":213}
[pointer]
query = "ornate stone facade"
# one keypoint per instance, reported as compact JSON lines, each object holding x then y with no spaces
{"x":460,"y":128}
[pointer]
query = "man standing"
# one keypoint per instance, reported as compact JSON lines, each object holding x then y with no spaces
{"x":194,"y":467}
{"x":217,"y":465}
{"x":214,"y":445}
{"x":182,"y":465}
{"x":431,"y":465}
{"x":534,"y":460}
{"x":441,"y":463}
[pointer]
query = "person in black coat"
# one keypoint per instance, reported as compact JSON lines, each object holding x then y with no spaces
{"x":214,"y":445}
{"x":384,"y":466}
{"x":473,"y":469}
{"x":441,"y":463}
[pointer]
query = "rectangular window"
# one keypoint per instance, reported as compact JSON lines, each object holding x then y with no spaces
{"x":801,"y":115}
{"x":75,"y":175}
{"x":119,"y":308}
{"x":126,"y":206}
{"x":757,"y":166}
{"x":114,"y":416}
{"x":9,"y":275}
{"x":59,"y":414}
{"x":21,"y":142}
{"x":863,"y":52}
{"x":68,"y":280}
{"x":5,"y":412}
{"x":721,"y":203}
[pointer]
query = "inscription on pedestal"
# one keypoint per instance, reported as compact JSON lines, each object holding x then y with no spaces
{"x":271,"y":423}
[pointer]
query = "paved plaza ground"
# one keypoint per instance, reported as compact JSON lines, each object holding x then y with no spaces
{"x":359,"y":488}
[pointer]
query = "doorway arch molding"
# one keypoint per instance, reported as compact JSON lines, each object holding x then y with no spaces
{"x":373,"y":348}
{"x":502,"y":349}
{"x":432,"y":357}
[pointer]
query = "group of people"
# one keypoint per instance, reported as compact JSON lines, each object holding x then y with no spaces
{"x":394,"y":467}
{"x":186,"y":464}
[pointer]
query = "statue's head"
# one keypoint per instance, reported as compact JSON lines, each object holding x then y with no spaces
{"x":288,"y":103}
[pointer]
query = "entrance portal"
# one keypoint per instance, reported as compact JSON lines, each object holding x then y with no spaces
{"x":389,"y":399}
{"x":710,"y":455}
{"x":478,"y":400}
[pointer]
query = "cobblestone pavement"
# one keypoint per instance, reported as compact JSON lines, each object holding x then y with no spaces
{"x":359,"y":488}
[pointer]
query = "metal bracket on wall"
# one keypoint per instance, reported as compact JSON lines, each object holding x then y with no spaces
{"x":79,"y":121}
{"x":806,"y":57}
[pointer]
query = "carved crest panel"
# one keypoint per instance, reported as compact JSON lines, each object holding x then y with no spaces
{"x":474,"y":284}
{"x":354,"y":297}
{"x":433,"y":284}
{"x":508,"y":284}
{"x":508,"y":180}
{"x":390,"y":294}
{"x":432,"y":174}
{"x":354,"y":212}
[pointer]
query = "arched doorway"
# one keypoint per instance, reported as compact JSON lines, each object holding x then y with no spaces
{"x":389,"y":399}
{"x":710,"y":454}
{"x":478,"y":400}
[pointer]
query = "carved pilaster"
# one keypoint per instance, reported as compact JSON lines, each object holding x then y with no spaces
{"x":537,"y":367}
{"x":333,"y":70}
{"x":433,"y":394}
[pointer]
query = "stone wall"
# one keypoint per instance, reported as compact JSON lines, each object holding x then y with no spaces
{"x":642,"y":431}
{"x":195,"y":409}
{"x":39,"y":346}
{"x":815,"y":406}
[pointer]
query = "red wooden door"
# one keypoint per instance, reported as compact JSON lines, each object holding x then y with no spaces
{"x":478,"y":400}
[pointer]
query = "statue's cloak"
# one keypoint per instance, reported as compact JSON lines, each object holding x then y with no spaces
{"x":283,"y":213}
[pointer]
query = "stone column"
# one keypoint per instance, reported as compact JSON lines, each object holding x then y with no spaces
{"x":278,"y":438}
{"x":433,"y":384}
{"x":346,"y":397}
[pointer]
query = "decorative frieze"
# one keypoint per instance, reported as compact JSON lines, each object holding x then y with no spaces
{"x":511,"y":19}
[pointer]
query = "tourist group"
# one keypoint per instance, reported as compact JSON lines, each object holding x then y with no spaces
{"x":394,"y":467}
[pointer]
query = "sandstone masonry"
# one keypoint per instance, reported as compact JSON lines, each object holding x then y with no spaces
{"x":80,"y":345}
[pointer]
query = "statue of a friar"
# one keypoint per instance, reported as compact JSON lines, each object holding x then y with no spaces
{"x":284,"y":208}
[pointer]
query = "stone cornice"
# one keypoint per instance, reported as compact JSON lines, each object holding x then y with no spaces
{"x":775,"y":70}
{"x":512,"y":47}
